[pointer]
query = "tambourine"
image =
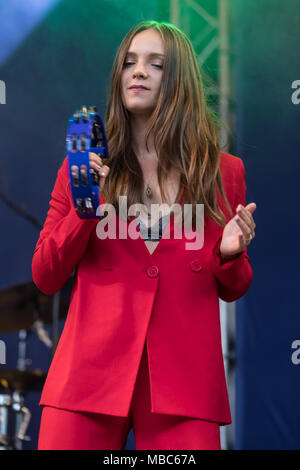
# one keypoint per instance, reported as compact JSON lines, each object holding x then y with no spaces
{"x":85,"y":134}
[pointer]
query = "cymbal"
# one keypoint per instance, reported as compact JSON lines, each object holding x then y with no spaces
{"x":22,"y":304}
{"x":22,"y":380}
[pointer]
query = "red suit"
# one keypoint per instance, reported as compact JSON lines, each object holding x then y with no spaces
{"x":123,"y":296}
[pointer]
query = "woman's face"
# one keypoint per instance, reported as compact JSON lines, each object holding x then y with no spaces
{"x":143,"y":67}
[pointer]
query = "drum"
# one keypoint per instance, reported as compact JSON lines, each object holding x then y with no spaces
{"x":5,"y":421}
{"x":14,"y":421}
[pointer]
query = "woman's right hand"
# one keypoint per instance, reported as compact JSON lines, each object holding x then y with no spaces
{"x":98,"y":166}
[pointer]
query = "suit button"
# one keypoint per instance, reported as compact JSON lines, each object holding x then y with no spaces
{"x":196,"y":266}
{"x":153,"y":271}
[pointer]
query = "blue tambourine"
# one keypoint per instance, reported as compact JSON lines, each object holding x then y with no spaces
{"x":86,"y":134}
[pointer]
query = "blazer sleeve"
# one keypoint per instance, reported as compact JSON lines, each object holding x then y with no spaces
{"x":235,"y":275}
{"x":62,"y":240}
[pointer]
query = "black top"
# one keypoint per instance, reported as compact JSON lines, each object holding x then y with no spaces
{"x":153,"y":233}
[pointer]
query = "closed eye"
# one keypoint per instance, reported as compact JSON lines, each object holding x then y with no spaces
{"x":127,"y":64}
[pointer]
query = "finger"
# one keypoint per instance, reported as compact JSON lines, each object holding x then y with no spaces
{"x":95,"y":168}
{"x":247,"y":232}
{"x":251,"y":207}
{"x":103,"y":174}
{"x":95,"y":164}
{"x":242,"y":241}
{"x":93,"y":157}
{"x":104,"y":171}
{"x":246,"y":216}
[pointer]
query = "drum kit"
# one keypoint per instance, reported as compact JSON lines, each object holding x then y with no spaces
{"x":24,"y":309}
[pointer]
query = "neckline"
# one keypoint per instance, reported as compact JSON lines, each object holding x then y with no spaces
{"x":169,"y":229}
{"x":155,"y":224}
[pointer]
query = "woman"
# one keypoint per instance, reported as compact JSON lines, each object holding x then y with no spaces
{"x":141,"y":346}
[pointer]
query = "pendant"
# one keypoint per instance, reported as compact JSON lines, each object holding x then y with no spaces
{"x":148,"y":192}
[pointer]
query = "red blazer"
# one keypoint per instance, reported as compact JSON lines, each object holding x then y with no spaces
{"x":123,"y":294}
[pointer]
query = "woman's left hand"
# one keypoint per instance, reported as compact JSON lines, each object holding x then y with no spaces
{"x":238,"y":232}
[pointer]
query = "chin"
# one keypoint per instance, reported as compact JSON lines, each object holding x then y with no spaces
{"x":140,"y":110}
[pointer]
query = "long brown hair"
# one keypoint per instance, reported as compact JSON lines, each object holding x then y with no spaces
{"x":183,"y":127}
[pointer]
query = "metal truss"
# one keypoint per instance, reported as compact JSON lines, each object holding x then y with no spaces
{"x":212,"y":38}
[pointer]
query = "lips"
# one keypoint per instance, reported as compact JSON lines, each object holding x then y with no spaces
{"x":138,"y":87}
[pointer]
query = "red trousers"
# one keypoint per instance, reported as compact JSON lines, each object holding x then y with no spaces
{"x":71,"y":430}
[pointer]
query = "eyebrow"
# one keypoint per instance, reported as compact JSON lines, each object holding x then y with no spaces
{"x":151,"y":54}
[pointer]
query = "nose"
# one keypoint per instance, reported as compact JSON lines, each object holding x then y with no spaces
{"x":139,"y":71}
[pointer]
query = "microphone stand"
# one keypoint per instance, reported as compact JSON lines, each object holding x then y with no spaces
{"x":56,"y":297}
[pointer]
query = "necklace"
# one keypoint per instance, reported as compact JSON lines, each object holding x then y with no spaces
{"x":148,"y":191}
{"x":148,"y":199}
{"x":148,"y":187}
